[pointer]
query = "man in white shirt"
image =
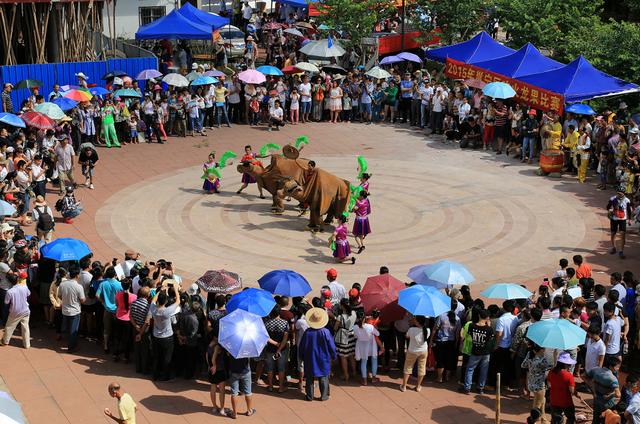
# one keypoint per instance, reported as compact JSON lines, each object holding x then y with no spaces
{"x":596,"y":349}
{"x":305,"y":99}
{"x":612,"y":331}
{"x":463,"y":110}
{"x":426,"y":91}
{"x":276,"y":116}
{"x":618,"y":285}
{"x":338,"y":292}
{"x":632,"y":413}
{"x":72,"y":295}
{"x":505,"y":329}
{"x":247,"y":12}
{"x":65,"y":162}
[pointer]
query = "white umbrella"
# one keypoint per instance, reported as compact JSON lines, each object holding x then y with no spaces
{"x":176,"y":80}
{"x":321,"y":48}
{"x":193,"y":75}
{"x":378,"y":73}
{"x":306,"y":66}
{"x":10,"y":410}
{"x":294,"y":31}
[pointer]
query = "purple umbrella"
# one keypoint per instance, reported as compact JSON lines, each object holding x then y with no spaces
{"x":390,"y":59}
{"x":410,"y":57}
{"x":148,"y":74}
{"x":214,"y":73}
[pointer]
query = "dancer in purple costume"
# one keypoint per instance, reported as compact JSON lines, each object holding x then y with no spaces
{"x":361,"y":225}
{"x":342,"y":249}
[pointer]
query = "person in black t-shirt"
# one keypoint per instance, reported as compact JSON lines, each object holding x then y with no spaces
{"x":470,"y":134}
{"x":483,"y":339}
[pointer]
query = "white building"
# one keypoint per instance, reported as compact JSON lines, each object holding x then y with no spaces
{"x":131,"y":14}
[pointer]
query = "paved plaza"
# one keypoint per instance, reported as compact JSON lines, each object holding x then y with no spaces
{"x":429,"y":200}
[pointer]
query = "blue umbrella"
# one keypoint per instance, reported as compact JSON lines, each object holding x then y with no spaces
{"x":6,"y":208}
{"x":64,"y":103}
{"x":441,"y":274}
{"x":506,"y":291}
{"x":204,"y":81}
{"x":11,"y":119}
{"x":10,"y":410}
{"x":269,"y":70}
{"x":498,"y":90}
{"x":410,"y":57}
{"x":256,"y":301}
{"x":126,"y":92}
{"x":556,"y":333}
{"x":390,"y":59}
{"x":424,"y":300}
{"x":66,"y":249}
{"x":581,"y":109}
{"x":99,"y":91}
{"x":242,"y":334}
{"x":285,"y":282}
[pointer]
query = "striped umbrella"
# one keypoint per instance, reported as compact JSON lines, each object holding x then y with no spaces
{"x":78,"y":95}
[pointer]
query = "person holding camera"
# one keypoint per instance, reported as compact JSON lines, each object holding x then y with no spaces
{"x":276,"y":354}
{"x":161,"y":313}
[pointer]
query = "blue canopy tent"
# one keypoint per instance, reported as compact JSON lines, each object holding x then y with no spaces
{"x":174,"y":26}
{"x":526,"y":61}
{"x":578,"y":81}
{"x":296,"y":3}
{"x":478,"y":49}
{"x":201,"y":17}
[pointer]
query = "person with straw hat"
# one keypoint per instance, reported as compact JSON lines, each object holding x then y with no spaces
{"x":317,"y":349}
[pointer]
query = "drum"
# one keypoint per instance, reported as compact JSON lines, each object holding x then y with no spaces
{"x":551,"y":161}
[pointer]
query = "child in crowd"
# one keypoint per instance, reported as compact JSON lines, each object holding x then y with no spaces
{"x":254,"y":108}
{"x":295,"y":106}
{"x":133,"y":129}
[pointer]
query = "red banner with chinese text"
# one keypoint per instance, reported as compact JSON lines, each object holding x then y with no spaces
{"x":528,"y":94}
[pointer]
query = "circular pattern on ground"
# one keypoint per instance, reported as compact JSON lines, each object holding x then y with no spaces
{"x":424,"y":208}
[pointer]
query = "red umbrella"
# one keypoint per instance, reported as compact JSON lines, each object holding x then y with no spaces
{"x":475,"y":83}
{"x":379,"y":291}
{"x":38,"y":120}
{"x":392,"y":312}
{"x":221,"y":281}
{"x":291,"y":70}
{"x":272,"y":25}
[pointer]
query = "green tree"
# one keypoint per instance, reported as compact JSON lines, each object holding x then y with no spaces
{"x":458,"y":20}
{"x":546,"y":23}
{"x":355,"y":19}
{"x":609,"y":46}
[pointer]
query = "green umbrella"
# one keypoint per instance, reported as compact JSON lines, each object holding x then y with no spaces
{"x":126,"y":92}
{"x":52,"y":110}
{"x":29,"y":83}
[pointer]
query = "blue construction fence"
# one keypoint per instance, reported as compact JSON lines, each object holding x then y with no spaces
{"x":64,"y":73}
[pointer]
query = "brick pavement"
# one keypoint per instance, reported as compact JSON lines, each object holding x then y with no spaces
{"x":430,"y":201}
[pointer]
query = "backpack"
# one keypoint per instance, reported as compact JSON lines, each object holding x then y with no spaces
{"x":45,"y":220}
{"x":58,"y":205}
{"x":93,"y":288}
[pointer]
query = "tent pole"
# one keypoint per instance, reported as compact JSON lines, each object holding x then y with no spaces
{"x":402,"y":30}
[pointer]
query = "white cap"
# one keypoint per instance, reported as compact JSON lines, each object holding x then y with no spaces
{"x":194,"y":65}
{"x":193,"y":289}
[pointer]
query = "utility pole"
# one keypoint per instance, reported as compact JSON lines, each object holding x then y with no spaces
{"x":402,"y":26}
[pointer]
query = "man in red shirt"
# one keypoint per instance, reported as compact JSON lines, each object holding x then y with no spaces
{"x":583,"y":269}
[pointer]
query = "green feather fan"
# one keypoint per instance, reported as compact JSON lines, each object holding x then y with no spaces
{"x":264,"y":150}
{"x":362,"y":166}
{"x":226,"y":156}
{"x":303,"y":139}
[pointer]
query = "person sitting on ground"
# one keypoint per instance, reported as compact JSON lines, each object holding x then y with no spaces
{"x":68,"y":206}
{"x":470,"y":134}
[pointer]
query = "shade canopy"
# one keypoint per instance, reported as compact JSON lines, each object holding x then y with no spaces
{"x":297,"y":3}
{"x":578,"y":81}
{"x":478,"y":49}
{"x":556,"y":333}
{"x":424,"y":300}
{"x":285,"y":282}
{"x":243,"y":334}
{"x":66,"y":249}
{"x":201,"y":17}
{"x":174,"y":26}
{"x":526,"y":61}
{"x":506,"y":291}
